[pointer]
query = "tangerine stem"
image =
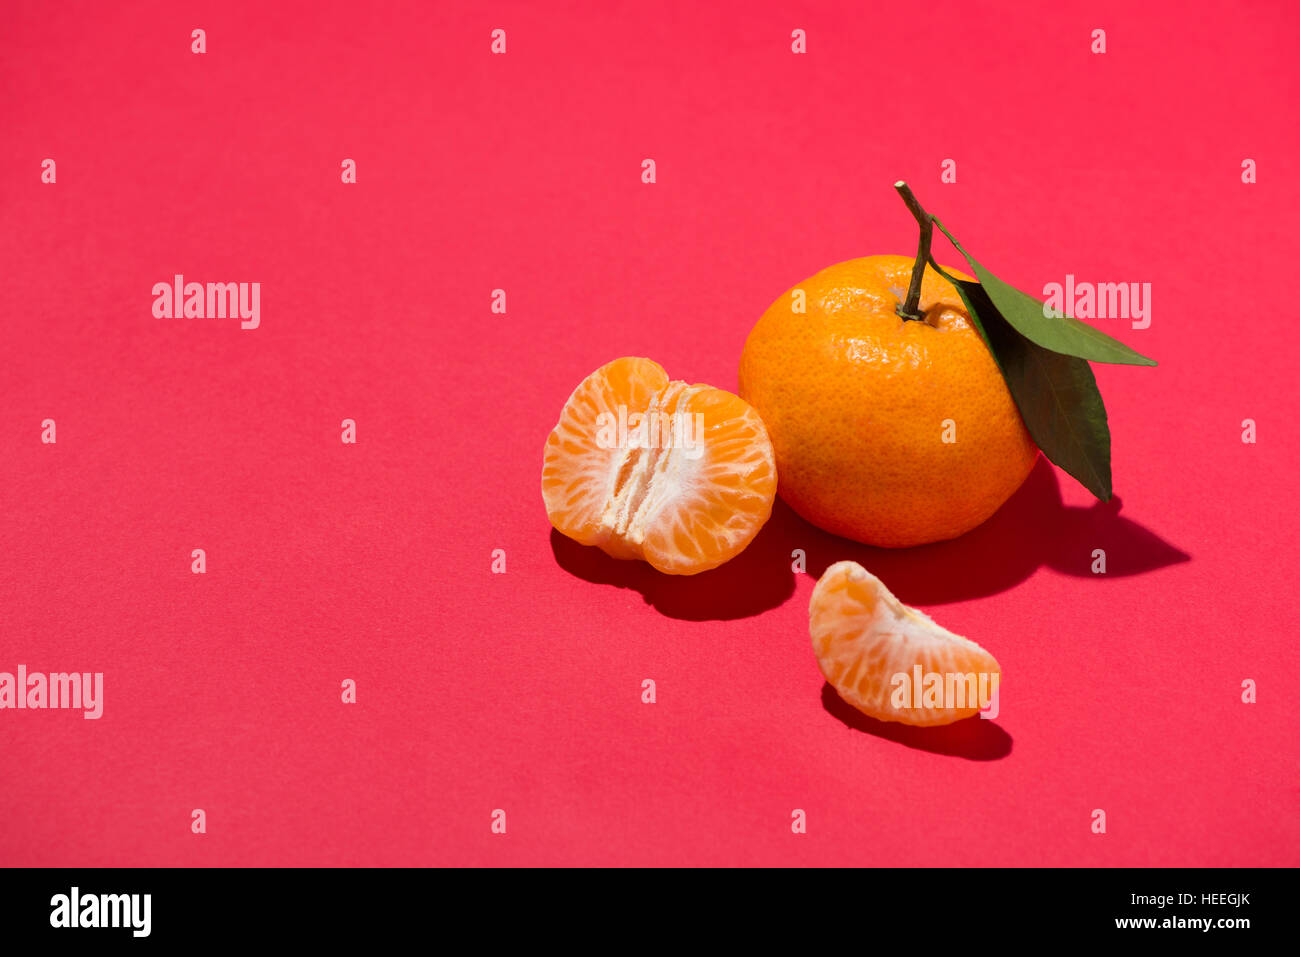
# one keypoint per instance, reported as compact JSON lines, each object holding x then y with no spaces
{"x":911,"y":308}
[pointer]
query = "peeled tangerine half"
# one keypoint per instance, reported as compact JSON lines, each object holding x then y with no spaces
{"x":865,"y":639}
{"x":680,"y":475}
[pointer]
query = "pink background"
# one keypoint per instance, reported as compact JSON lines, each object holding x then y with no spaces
{"x":522,"y":691}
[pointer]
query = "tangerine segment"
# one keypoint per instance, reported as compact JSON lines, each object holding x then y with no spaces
{"x":864,"y":638}
{"x":682,"y":476}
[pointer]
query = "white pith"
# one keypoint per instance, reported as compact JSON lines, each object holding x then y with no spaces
{"x":642,"y":480}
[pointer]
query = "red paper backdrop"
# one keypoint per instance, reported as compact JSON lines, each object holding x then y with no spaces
{"x":521,"y":691}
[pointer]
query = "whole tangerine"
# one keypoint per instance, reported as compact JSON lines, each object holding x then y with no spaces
{"x":889,"y":431}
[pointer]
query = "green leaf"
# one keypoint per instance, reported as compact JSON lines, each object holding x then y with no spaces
{"x":1060,"y":334}
{"x":1056,"y":394}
